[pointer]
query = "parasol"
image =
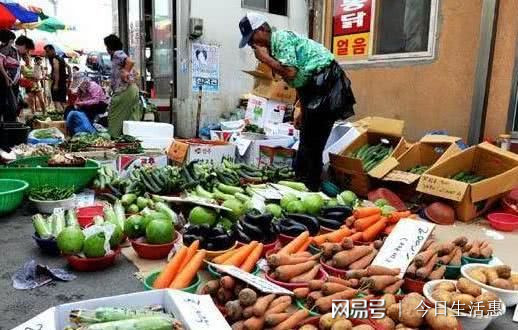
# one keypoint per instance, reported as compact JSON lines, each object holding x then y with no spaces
{"x":60,"y":50}
{"x":10,"y":13}
{"x":51,"y":24}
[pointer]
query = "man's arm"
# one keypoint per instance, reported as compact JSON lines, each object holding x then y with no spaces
{"x":286,"y":72}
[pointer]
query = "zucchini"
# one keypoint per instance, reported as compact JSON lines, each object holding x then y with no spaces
{"x":227,"y":189}
{"x":71,"y":219}
{"x":58,"y":222}
{"x":41,"y":226}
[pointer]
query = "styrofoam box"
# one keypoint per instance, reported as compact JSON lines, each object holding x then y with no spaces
{"x":148,"y":129}
{"x":155,"y":143}
{"x":194,"y":311}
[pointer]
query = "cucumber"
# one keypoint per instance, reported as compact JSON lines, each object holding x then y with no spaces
{"x":220,"y":195}
{"x":294,"y":185}
{"x":200,"y":191}
{"x":41,"y":226}
{"x":227,"y":189}
{"x":71,"y":219}
{"x":360,"y":151}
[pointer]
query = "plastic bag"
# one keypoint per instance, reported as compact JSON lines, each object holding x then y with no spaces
{"x":329,"y":92}
{"x":106,"y":228}
{"x":50,"y":135}
{"x":32,"y":275}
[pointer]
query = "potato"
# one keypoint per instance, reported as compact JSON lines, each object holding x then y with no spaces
{"x":502,"y":284}
{"x":342,"y":325}
{"x":441,"y":322}
{"x":443,"y":296}
{"x":478,"y":275}
{"x":485,"y":298}
{"x":411,"y":310}
{"x":462,"y":301}
{"x":446,"y":286}
{"x":326,"y":321}
{"x":389,"y":299}
{"x":491,"y":274}
{"x":387,"y":323}
{"x":393,"y":312}
{"x":363,"y":327}
{"x":466,"y":286}
{"x":503,"y":271}
{"x":309,"y":327}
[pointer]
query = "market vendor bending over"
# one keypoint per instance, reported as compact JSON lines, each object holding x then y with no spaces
{"x":323,"y":88}
{"x":90,"y":105}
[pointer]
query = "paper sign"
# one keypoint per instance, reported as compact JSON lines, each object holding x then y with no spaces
{"x":257,"y":282}
{"x":197,"y":311}
{"x":43,"y":321}
{"x":401,"y":176}
{"x":242,"y":145}
{"x":403,"y":244}
{"x":442,"y":187}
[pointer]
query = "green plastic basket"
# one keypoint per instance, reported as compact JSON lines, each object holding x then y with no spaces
{"x":11,"y":194}
{"x":36,"y":172}
{"x":148,"y":283}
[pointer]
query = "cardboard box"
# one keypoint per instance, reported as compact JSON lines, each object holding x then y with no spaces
{"x":371,"y":130}
{"x":252,"y":154}
{"x":186,"y":151}
{"x":127,"y":163}
{"x":261,"y":111}
{"x":276,"y":156}
{"x":184,"y":306}
{"x":269,"y":86}
{"x":59,"y":124}
{"x":470,"y":200}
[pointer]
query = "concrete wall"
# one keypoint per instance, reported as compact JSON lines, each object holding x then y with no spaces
{"x":435,"y":95}
{"x":502,"y":69}
{"x":221,"y":28}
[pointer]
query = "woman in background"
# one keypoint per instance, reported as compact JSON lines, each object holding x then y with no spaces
{"x":125,"y":104}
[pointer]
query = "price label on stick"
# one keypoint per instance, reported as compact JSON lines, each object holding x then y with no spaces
{"x":257,"y":282}
{"x":403,"y":244}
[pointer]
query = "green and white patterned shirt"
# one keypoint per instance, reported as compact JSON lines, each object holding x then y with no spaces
{"x":304,"y":54}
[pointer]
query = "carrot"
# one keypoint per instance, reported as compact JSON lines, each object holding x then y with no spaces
{"x":248,"y":312}
{"x":356,"y":274}
{"x":279,"y":301}
{"x":306,"y":244}
{"x":347,"y":243}
{"x":301,"y":254}
{"x":460,"y":241}
{"x":354,"y":283}
{"x":380,"y":270}
{"x":364,"y":223}
{"x":292,"y":321}
{"x":278,"y":259}
{"x":240,"y":256}
{"x":301,"y":293}
{"x":363,"y":212}
{"x":379,"y":282}
{"x":338,"y":235}
{"x":422,"y":258}
{"x":254,"y":323}
{"x":307,"y":276}
{"x":357,"y":237}
{"x":396,"y":216}
{"x":184,"y":278}
{"x":350,"y":221}
{"x":425,"y":271}
{"x":329,"y":249}
{"x":252,"y":259}
{"x":438,"y":273}
{"x":274,"y":319}
{"x":227,"y":282}
{"x":295,"y":244}
{"x":330,"y":288}
{"x":475,"y":249}
{"x":445,"y":259}
{"x":287,"y":272}
{"x":279,"y":308}
{"x":410,"y":271}
{"x":314,"y":285}
{"x":313,"y":297}
{"x":170,"y":271}
{"x":222,"y":258}
{"x":373,"y":231}
{"x":262,"y":303}
{"x":320,"y":239}
{"x":338,"y":280}
{"x":323,"y":305}
{"x":191,"y":251}
{"x":345,"y":258}
{"x":389,"y":229}
{"x":427,"y":244}
{"x":393,"y":288}
{"x":364,"y":261}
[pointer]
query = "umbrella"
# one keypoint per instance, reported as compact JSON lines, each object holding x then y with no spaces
{"x":51,"y":24}
{"x":60,"y":50}
{"x":20,"y":13}
{"x":6,"y":18}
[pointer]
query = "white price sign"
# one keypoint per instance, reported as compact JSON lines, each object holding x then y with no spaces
{"x":197,"y":312}
{"x":403,"y":244}
{"x":257,"y":282}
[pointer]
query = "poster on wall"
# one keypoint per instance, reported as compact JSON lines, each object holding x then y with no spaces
{"x":205,"y":68}
{"x":351,"y":29}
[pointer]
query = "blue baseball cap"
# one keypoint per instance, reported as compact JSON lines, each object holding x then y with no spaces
{"x":248,"y":25}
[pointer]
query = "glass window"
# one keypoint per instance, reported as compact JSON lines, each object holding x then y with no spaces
{"x":162,"y":47}
{"x":277,"y":7}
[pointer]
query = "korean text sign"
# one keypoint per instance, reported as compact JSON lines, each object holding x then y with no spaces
{"x":351,"y":28}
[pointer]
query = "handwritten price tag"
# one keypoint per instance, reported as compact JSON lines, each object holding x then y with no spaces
{"x":197,"y":312}
{"x":257,"y":282}
{"x":403,"y":244}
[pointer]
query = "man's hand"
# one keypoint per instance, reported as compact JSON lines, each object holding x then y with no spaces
{"x":261,"y":53}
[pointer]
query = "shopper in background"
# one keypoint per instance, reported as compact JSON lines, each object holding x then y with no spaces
{"x":58,"y":77}
{"x":125,"y":103}
{"x":9,"y":62}
{"x":323,"y":89}
{"x":38,"y":76}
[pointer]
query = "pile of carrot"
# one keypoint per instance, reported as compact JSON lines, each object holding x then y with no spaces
{"x":346,"y":255}
{"x":367,"y":223}
{"x":246,"y":308}
{"x":245,"y":257}
{"x":298,"y":245}
{"x":319,"y":294}
{"x":182,"y":268}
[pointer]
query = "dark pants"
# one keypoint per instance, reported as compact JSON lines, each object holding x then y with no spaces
{"x":8,"y":103}
{"x":314,"y":133}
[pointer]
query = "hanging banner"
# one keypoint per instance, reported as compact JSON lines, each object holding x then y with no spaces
{"x":351,"y":28}
{"x":205,"y":68}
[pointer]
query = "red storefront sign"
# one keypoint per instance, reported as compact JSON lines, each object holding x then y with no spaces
{"x":351,"y":16}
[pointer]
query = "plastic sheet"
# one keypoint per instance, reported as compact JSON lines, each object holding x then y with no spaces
{"x":32,"y":275}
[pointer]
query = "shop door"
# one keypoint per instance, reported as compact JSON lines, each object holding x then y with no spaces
{"x":163,"y":47}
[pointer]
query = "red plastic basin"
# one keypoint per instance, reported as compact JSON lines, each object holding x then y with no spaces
{"x":411,"y":285}
{"x":93,"y":264}
{"x":85,"y":215}
{"x":332,"y":270}
{"x":153,"y":251}
{"x":503,"y":221}
{"x":322,"y":275}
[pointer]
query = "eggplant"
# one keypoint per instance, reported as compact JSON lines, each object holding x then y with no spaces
{"x":252,"y":231}
{"x":289,"y":222}
{"x":271,"y":235}
{"x":221,"y":242}
{"x":337,"y":216}
{"x":346,"y":210}
{"x":310,"y":222}
{"x":205,"y":230}
{"x":217,"y":231}
{"x":189,"y":238}
{"x":329,"y":223}
{"x":241,"y":236}
{"x":293,"y":231}
{"x":262,"y":221}
{"x":193,"y":230}
{"x":210,"y":246}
